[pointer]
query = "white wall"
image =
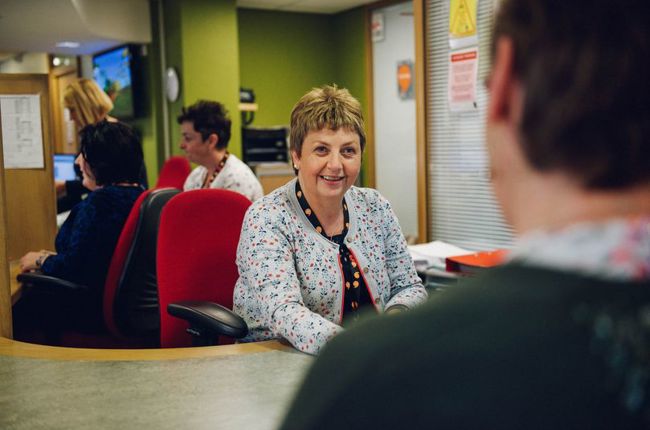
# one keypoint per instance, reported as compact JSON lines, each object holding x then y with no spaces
{"x":395,"y":156}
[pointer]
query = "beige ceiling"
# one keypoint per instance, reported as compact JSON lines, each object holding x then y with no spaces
{"x":312,"y":6}
{"x":37,"y":25}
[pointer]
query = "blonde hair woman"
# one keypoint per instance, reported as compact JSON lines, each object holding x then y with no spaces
{"x":87,"y":103}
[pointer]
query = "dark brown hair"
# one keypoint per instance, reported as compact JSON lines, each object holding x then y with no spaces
{"x":208,"y":117}
{"x":585,"y":71}
{"x":112,"y":151}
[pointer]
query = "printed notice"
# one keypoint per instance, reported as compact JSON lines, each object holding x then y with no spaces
{"x":463,"y":71}
{"x":377,"y":26}
{"x":22,"y":137}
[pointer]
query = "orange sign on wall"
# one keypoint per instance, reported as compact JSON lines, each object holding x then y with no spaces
{"x":405,"y":79}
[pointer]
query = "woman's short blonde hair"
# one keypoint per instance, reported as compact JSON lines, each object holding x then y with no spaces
{"x":90,"y":103}
{"x":327,"y":107}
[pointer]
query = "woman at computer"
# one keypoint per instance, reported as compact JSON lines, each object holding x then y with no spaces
{"x":88,"y":104}
{"x":110,"y":161}
{"x":317,"y":252}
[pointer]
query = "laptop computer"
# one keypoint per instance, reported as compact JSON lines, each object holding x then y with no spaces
{"x":64,"y":167}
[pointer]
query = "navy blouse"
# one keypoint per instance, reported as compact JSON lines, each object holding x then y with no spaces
{"x":86,"y":241}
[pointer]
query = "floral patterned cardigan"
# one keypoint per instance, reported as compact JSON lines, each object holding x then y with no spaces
{"x":290,"y":280}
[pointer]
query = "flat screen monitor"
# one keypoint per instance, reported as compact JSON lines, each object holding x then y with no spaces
{"x":64,"y":167}
{"x":112,"y":70}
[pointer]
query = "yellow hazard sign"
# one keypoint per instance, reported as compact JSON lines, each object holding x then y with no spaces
{"x":462,"y":18}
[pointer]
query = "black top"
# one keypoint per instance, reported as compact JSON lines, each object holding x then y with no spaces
{"x":87,"y":239}
{"x":514,"y":348}
{"x":74,"y":190}
{"x":355,"y":296}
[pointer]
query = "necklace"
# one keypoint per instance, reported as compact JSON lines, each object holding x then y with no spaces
{"x":219,"y":168}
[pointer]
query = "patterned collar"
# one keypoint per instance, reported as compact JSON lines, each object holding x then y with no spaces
{"x":617,"y":249}
{"x":313,"y":219}
{"x":355,"y":294}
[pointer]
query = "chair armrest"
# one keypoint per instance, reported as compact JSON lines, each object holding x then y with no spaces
{"x":396,"y":309}
{"x":209,"y":319}
{"x":45,"y":283}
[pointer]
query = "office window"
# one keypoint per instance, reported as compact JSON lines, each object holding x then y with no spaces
{"x":462,"y":207}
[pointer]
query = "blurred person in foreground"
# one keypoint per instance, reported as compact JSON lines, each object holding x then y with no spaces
{"x":560,"y":336}
{"x":318,"y":251}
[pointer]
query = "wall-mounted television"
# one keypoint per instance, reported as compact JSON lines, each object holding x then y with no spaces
{"x":116,"y":72}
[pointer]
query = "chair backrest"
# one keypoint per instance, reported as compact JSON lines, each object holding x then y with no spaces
{"x":197,"y":246}
{"x":174,"y":172}
{"x":131,"y":291}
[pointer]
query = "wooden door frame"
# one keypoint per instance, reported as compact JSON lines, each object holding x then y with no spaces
{"x":420,"y":110}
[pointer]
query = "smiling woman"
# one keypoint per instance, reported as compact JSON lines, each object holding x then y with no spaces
{"x":319,"y":252}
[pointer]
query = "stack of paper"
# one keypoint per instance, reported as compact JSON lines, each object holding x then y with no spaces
{"x":434,"y":254}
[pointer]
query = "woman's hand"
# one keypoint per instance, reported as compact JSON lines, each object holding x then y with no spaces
{"x":33,"y":260}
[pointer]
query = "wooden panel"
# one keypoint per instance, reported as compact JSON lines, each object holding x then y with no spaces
{"x":420,"y":121}
{"x":270,"y":183}
{"x":15,"y":287}
{"x":30,"y":198}
{"x":5,"y":293}
{"x":63,"y":132}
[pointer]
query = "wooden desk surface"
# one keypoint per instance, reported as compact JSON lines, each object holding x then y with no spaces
{"x":14,"y":286}
{"x":246,"y":386}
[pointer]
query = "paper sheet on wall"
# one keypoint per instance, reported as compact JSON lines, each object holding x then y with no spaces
{"x":22,"y":136}
{"x":463,"y":74}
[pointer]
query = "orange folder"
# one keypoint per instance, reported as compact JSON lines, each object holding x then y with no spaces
{"x":477,"y":262}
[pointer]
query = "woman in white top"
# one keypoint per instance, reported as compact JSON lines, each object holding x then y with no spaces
{"x":205,"y":133}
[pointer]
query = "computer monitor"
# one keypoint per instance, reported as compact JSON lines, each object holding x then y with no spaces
{"x":64,"y":167}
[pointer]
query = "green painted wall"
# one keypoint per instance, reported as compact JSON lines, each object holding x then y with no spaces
{"x":211,"y":57}
{"x":282,"y":56}
{"x":202,"y":43}
{"x":350,"y":46}
{"x":216,"y":47}
{"x":174,"y":58}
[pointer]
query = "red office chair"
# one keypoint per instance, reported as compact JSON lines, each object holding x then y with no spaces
{"x":197,"y":246}
{"x":130,"y":302}
{"x":173,"y":173}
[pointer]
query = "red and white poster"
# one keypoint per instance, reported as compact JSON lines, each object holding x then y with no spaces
{"x":463,"y":73}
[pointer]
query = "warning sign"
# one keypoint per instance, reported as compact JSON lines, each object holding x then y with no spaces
{"x":462,"y":23}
